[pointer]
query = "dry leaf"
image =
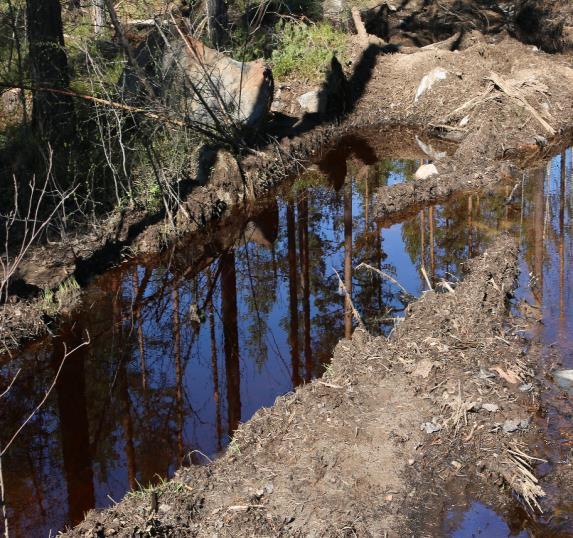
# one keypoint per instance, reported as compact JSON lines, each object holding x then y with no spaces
{"x":423,"y":368}
{"x":510,"y":376}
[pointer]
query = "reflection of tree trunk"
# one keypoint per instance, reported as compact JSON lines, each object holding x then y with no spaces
{"x":305,"y":281}
{"x":140,"y":339}
{"x":379,"y":263}
{"x":127,"y":422}
{"x":214,"y":364}
{"x":231,"y":338}
{"x":293,"y":294}
{"x":178,"y":375}
{"x":38,"y":491}
{"x":367,"y":202}
{"x":470,"y":226}
{"x":431,"y":241}
{"x":562,"y":241}
{"x":348,"y":257}
{"x":74,"y":428}
{"x":538,"y":225}
{"x":122,"y":380}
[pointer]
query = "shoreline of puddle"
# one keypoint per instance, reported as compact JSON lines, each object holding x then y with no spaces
{"x":183,"y":351}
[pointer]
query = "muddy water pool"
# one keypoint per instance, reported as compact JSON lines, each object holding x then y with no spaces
{"x":184,"y":346}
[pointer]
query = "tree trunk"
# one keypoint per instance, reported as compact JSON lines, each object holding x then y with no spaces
{"x":98,"y":15}
{"x":217,"y":22}
{"x":51,"y":113}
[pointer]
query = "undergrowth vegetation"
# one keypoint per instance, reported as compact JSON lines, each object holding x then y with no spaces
{"x":121,"y":147}
{"x":305,"y":50}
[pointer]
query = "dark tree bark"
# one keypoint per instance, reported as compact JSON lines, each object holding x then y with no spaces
{"x":217,"y":22}
{"x":52,"y":114}
{"x":98,"y":15}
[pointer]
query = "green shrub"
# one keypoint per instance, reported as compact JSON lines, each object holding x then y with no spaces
{"x":305,"y":51}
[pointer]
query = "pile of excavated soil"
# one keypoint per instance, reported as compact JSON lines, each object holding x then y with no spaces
{"x":366,"y":449}
{"x":496,"y":97}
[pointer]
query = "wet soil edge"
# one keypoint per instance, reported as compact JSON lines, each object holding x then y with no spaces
{"x":145,"y":233}
{"x":348,"y":451}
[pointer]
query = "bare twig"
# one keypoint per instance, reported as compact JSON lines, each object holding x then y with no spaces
{"x":11,"y":383}
{"x":384,"y":275}
{"x":46,"y":395}
{"x":426,"y":278}
{"x":354,"y":311}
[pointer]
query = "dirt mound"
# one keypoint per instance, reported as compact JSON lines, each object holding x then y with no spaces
{"x":356,"y":452}
{"x":497,"y":100}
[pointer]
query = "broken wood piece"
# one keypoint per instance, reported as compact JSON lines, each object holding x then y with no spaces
{"x":364,"y":37}
{"x":514,"y":93}
{"x":446,"y":44}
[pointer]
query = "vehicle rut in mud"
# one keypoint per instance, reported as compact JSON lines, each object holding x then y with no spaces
{"x":195,"y":342}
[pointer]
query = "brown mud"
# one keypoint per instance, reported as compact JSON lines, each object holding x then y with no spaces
{"x":350,"y":454}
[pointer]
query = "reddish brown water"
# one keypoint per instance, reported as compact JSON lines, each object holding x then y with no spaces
{"x":185,"y":346}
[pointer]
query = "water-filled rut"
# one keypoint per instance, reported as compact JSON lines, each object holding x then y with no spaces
{"x":185,"y":346}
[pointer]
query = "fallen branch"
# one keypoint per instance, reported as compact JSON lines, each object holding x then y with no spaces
{"x":352,"y":307}
{"x":365,"y":38}
{"x":202,"y":129}
{"x":426,"y":278}
{"x":384,"y":275}
{"x":512,"y":92}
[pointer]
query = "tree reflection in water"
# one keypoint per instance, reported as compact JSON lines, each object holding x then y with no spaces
{"x":187,"y":345}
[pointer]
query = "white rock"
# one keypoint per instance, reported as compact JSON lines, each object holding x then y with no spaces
{"x":564,"y":378}
{"x":426,"y":171}
{"x":310,"y":102}
{"x":429,"y":80}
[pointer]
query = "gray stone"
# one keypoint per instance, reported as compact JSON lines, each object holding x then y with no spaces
{"x":312,"y":103}
{"x":201,"y":83}
{"x":513,"y":425}
{"x":430,"y":427}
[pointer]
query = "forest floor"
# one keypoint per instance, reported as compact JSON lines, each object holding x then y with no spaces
{"x":371,"y":448}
